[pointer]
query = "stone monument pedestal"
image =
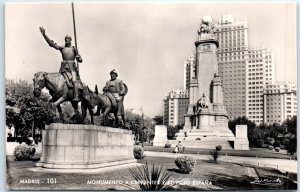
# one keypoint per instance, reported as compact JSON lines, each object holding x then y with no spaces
{"x":209,"y":130}
{"x":160,"y":138}
{"x":74,"y":146}
{"x":241,"y":141}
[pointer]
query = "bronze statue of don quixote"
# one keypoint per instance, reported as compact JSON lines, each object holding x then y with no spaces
{"x":66,"y":85}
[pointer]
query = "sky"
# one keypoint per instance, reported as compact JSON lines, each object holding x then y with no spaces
{"x":147,"y":44}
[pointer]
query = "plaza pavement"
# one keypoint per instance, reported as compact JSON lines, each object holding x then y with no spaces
{"x":283,"y":164}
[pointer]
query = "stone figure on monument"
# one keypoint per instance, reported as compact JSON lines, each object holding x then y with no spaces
{"x":68,"y":66}
{"x":202,"y":103}
{"x":207,"y":25}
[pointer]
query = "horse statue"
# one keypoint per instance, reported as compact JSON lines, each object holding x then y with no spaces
{"x":104,"y":105}
{"x":60,"y":92}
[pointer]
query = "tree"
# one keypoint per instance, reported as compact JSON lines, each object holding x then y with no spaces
{"x":290,"y":127}
{"x":159,"y":120}
{"x":291,"y":144}
{"x":241,"y":121}
{"x":171,"y":130}
{"x":24,"y":111}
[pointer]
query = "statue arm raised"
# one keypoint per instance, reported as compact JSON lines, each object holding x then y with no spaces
{"x":50,"y":42}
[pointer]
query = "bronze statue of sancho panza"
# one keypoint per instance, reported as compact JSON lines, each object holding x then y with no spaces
{"x":68,"y":66}
{"x":115,"y":90}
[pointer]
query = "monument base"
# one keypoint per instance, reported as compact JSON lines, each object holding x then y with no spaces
{"x":159,"y":141}
{"x":160,"y":138}
{"x":241,"y":141}
{"x":89,"y":171}
{"x":73,"y":146}
{"x":206,"y":129}
{"x":241,"y":144}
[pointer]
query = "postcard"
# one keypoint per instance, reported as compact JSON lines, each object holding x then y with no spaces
{"x":151,"y":96}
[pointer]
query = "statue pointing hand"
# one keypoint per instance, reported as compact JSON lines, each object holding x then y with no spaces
{"x":68,"y":66}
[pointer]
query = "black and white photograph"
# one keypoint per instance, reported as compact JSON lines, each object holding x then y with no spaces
{"x":151,"y":96}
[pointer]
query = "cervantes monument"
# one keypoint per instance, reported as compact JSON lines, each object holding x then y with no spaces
{"x":81,"y":146}
{"x":206,"y":122}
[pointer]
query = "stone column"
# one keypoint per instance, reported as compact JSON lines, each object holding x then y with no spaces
{"x":217,"y":90}
{"x":207,"y":64}
{"x":187,"y":122}
{"x":194,"y":96}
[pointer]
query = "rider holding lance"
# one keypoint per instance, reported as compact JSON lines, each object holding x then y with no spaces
{"x":68,"y":66}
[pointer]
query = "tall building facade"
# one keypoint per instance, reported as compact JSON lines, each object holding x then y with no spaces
{"x":175,"y":107}
{"x":245,"y":71}
{"x":189,"y":69}
{"x":232,"y":57}
{"x":280,"y":102}
{"x":259,"y":73}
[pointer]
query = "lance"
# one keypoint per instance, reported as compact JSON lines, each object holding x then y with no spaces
{"x":75,"y":37}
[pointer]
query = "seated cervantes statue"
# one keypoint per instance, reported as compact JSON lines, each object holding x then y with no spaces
{"x":203,"y":103}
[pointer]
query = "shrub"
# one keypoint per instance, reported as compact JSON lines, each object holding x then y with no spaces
{"x":271,"y":147}
{"x":271,"y":140}
{"x":259,"y":143}
{"x":215,"y":155}
{"x":219,"y":147}
{"x":19,"y":140}
{"x":24,"y":152}
{"x":291,"y":145}
{"x":167,"y":145}
{"x":137,"y":142}
{"x":276,"y":144}
{"x":277,"y":149}
{"x":185,"y":164}
{"x":138,"y":152}
{"x":153,"y":179}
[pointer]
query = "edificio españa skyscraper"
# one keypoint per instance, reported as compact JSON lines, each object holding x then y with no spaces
{"x":245,"y":71}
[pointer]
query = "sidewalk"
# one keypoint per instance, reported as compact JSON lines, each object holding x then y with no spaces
{"x":282,"y":164}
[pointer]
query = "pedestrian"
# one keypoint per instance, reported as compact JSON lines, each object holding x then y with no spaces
{"x":176,"y":149}
{"x":179,"y":147}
